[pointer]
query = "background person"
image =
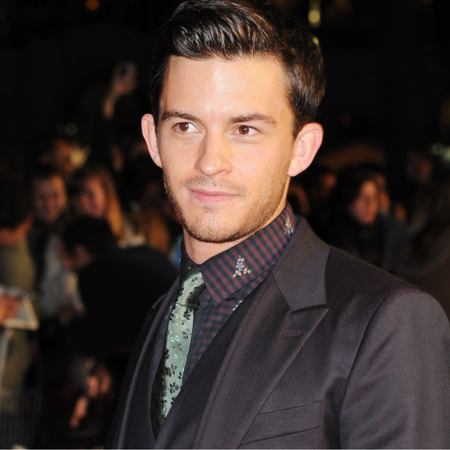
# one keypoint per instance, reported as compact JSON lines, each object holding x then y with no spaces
{"x":16,"y":274}
{"x":357,"y":226}
{"x":117,"y":287}
{"x":94,"y":194}
{"x":50,"y":206}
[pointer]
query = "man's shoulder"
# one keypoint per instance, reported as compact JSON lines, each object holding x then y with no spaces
{"x":351,"y":273}
{"x":356,"y":285}
{"x":346,"y":283}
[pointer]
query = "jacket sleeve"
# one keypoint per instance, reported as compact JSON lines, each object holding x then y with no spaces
{"x":398,"y":392}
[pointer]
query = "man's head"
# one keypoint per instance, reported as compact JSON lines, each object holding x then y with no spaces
{"x":15,"y":212}
{"x":232,"y":85}
{"x":49,"y":194}
{"x":85,"y":239}
{"x":231,"y":30}
{"x":47,"y":147}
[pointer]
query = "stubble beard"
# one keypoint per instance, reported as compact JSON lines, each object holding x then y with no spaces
{"x":209,"y":227}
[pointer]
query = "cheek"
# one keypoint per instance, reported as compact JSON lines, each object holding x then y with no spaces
{"x":356,"y":208}
{"x":39,"y":204}
{"x":177,"y":167}
{"x":61,"y":201}
{"x":99,"y":203}
{"x":178,"y":162}
{"x":268,"y":175}
{"x":52,"y":200}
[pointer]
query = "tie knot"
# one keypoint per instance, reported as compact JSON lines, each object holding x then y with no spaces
{"x":191,"y":286}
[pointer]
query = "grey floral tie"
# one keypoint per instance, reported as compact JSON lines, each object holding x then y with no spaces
{"x":169,"y":377}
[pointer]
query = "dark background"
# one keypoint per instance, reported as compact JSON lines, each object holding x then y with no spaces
{"x":387,"y":65}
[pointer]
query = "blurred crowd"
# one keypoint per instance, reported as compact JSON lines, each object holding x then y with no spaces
{"x":97,"y":242}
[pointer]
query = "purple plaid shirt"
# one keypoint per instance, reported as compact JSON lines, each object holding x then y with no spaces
{"x":230,"y":277}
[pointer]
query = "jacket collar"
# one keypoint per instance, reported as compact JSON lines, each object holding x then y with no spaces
{"x":304,"y":259}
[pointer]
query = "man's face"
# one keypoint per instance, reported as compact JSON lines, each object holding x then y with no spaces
{"x":225,"y":145}
{"x":49,"y":199}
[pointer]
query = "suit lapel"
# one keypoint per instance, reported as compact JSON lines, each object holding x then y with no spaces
{"x":261,"y":351}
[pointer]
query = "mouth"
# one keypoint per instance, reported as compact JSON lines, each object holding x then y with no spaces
{"x":206,"y":196}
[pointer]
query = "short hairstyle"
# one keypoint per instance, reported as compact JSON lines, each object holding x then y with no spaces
{"x":205,"y":29}
{"x":15,"y":204}
{"x":44,"y":172}
{"x":94,"y":234}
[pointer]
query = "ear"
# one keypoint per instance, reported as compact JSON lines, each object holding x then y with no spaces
{"x":149,"y":133}
{"x":306,"y":145}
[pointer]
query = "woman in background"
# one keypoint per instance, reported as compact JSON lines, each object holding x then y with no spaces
{"x":357,"y":226}
{"x":94,"y":194}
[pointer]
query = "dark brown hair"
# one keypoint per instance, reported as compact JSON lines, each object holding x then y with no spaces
{"x":204,"y":29}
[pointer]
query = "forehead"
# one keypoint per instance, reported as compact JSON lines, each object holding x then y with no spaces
{"x":368,"y":187}
{"x":218,"y":86}
{"x":54,"y":181}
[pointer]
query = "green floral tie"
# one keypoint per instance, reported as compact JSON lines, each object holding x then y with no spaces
{"x":169,"y":377}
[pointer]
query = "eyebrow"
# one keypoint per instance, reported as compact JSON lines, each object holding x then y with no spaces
{"x":170,"y":114}
{"x":252,"y":117}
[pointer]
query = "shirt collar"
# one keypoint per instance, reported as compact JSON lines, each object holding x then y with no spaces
{"x":229,"y":271}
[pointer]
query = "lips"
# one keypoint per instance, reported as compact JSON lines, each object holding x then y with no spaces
{"x":205,"y":196}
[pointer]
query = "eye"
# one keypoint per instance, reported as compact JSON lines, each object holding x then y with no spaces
{"x":245,"y":130}
{"x":184,"y":127}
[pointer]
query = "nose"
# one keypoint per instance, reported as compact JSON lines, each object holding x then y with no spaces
{"x":215,"y":156}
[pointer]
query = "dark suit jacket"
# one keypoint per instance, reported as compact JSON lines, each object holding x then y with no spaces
{"x":118,"y":289}
{"x":327,"y":352}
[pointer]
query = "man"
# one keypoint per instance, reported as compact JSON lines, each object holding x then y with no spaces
{"x":117,"y":285}
{"x":16,"y":264}
{"x":49,"y":198}
{"x":17,"y":272}
{"x":290,"y":344}
{"x":49,"y":195}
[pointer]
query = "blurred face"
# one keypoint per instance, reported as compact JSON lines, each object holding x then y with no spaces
{"x":91,"y":201}
{"x":49,"y":199}
{"x":419,"y":168}
{"x":62,"y":157}
{"x":364,"y":209}
{"x":225,"y":145}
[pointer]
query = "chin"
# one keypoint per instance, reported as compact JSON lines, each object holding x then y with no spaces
{"x":213,"y":236}
{"x":211,"y":231}
{"x":223,"y":231}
